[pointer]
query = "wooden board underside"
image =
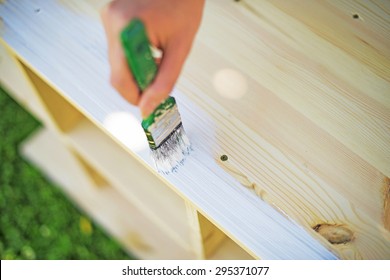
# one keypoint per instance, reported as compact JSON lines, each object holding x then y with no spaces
{"x":13,"y":80}
{"x":289,"y":163}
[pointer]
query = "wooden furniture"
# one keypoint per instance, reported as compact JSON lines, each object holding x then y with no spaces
{"x":295,"y":93}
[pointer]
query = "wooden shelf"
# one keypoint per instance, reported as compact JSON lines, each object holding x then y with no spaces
{"x":306,"y":129}
{"x":139,"y":235}
{"x":131,"y":180}
{"x":145,"y":216}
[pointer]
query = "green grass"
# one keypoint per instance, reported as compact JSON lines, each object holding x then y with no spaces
{"x":37,"y":221}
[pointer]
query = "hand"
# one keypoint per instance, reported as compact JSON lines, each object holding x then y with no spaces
{"x":171,"y":26}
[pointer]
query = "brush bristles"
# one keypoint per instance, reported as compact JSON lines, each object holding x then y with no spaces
{"x":171,"y":154}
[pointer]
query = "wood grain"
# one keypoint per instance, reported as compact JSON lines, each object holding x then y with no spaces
{"x":321,"y":81}
{"x":308,"y":124}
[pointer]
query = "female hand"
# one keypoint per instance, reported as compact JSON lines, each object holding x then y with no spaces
{"x":171,"y":26}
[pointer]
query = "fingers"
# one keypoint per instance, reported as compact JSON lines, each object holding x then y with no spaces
{"x":171,"y":30}
{"x":120,"y":77}
{"x":172,"y":61}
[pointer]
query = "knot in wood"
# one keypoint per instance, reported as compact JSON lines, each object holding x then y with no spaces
{"x":335,"y":234}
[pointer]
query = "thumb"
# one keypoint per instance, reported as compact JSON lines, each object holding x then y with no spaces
{"x":171,"y":64}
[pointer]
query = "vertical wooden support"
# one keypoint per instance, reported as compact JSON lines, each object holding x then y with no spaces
{"x":65,"y":116}
{"x":386,"y":203}
{"x":206,"y":237}
{"x":212,"y":236}
{"x":97,"y":179}
{"x":195,"y":232}
{"x":14,"y":79}
{"x":55,"y":111}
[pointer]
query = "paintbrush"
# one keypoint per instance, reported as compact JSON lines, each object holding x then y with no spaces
{"x":164,"y":131}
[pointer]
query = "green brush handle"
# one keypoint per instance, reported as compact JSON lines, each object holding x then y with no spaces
{"x":139,"y":57}
{"x":144,"y":69}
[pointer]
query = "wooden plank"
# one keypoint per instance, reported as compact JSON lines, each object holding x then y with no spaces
{"x":312,"y":153}
{"x":248,"y":220}
{"x":130,"y":227}
{"x":362,"y":33}
{"x":302,"y":196}
{"x":321,"y":81}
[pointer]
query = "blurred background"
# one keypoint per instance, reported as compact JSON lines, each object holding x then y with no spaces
{"x":37,"y":221}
